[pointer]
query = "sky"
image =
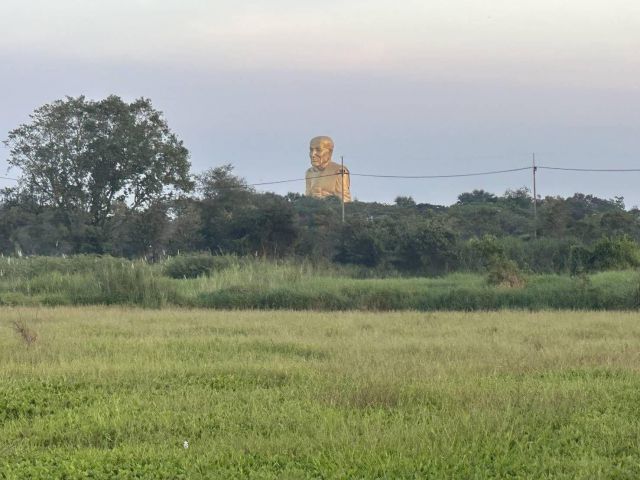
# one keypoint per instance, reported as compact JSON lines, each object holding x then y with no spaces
{"x":411,"y":87}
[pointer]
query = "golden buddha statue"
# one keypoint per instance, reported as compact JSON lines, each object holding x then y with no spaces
{"x":326,"y":178}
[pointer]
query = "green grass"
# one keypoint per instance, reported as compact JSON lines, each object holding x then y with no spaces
{"x":114,"y":393}
{"x":242,"y":283}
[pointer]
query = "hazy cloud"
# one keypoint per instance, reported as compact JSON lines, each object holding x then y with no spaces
{"x":571,"y":41}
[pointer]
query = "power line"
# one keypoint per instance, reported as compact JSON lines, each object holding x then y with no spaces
{"x":291,"y":180}
{"x":455,"y":175}
{"x":476,"y":174}
{"x":278,"y":181}
{"x":591,"y":169}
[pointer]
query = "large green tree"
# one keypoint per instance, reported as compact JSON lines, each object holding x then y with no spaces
{"x":86,"y":156}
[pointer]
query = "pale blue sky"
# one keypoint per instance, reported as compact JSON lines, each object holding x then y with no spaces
{"x":428,"y":87}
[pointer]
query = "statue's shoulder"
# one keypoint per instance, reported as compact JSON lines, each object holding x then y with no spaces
{"x":336,"y":168}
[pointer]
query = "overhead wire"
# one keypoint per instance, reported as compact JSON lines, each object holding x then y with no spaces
{"x":372,"y":175}
{"x":291,"y":180}
{"x":568,"y":169}
{"x":458,"y":175}
{"x":475,"y":174}
{"x":417,"y":177}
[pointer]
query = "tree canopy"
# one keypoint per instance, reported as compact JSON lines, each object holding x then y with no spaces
{"x":83,"y":155}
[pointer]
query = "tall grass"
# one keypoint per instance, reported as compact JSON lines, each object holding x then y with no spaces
{"x":238,"y":283}
{"x":83,"y":280}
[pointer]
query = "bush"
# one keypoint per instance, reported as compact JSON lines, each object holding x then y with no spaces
{"x":359,"y":245}
{"x":427,"y":247}
{"x":615,"y":254}
{"x":193,"y":266}
{"x":489,"y":254}
{"x":579,"y":260}
{"x":606,"y":254}
{"x":505,"y":273}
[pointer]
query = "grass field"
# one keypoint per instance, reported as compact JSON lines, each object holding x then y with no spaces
{"x":115,"y":393}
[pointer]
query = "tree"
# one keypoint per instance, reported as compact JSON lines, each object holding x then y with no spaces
{"x":427,"y":246}
{"x":81,"y":155}
{"x":519,"y":198}
{"x":236,"y":219}
{"x":221,"y":184}
{"x":360,"y":244}
{"x":319,"y":226}
{"x":477,"y":196}
{"x":554,"y":217}
{"x":405,"y":202}
{"x":223,"y":199}
{"x":267,"y":227}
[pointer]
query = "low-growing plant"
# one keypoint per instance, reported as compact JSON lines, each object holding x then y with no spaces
{"x":27,"y":334}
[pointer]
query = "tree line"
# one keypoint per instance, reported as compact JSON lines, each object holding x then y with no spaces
{"x":110,"y":177}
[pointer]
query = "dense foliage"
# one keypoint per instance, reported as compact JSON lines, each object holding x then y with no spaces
{"x":225,"y":216}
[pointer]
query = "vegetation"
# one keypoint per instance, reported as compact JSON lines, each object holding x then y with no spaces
{"x":227,"y":282}
{"x":106,"y":212}
{"x":229,"y":218}
{"x":108,"y":177}
{"x":82,"y":161}
{"x":115,"y":393}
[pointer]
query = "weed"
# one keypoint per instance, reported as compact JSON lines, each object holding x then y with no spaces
{"x":28,"y":335}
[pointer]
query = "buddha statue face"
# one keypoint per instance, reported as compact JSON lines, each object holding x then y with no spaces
{"x":320,"y":150}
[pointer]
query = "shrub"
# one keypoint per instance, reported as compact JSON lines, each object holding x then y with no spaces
{"x":615,"y":254}
{"x":197,"y":265}
{"x":579,"y":260}
{"x":505,"y":273}
{"x":28,"y":335}
{"x":359,"y":245}
{"x":606,"y":254}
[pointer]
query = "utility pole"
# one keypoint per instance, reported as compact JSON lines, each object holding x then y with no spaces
{"x":342,"y":184}
{"x":534,"y":169}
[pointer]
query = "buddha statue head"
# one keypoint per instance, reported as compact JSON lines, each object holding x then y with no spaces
{"x":320,"y":150}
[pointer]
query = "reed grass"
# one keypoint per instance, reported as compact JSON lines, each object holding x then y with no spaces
{"x":261,"y":284}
